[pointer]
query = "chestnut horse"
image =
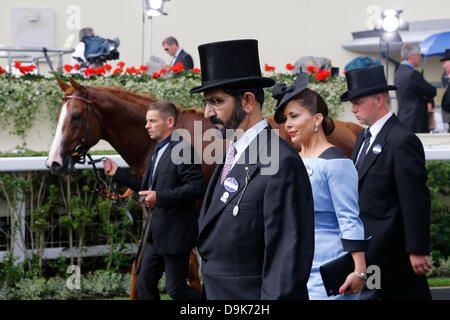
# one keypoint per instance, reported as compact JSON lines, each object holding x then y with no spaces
{"x":89,"y":114}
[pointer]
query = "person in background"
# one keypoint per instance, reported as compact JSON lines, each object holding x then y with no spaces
{"x":334,"y":182}
{"x":78,"y":55}
{"x":445,"y":104}
{"x":414,"y":94}
{"x":394,"y":199}
{"x":170,"y":45}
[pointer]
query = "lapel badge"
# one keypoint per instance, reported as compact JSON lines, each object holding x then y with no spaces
{"x":224,"y":197}
{"x":376,"y":149}
{"x":231,"y":185}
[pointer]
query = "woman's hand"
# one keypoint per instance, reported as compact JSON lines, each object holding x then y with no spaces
{"x":353,"y":284}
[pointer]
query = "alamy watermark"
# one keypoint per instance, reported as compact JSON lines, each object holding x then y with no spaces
{"x":209,"y":147}
{"x":74,"y":281}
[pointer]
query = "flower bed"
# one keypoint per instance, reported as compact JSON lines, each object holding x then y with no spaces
{"x":21,"y":98}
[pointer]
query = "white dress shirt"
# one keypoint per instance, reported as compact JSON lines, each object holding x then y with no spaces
{"x":244,"y":141}
{"x":374,"y":130}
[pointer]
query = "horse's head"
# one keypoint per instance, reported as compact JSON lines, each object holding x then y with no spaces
{"x":78,"y":128}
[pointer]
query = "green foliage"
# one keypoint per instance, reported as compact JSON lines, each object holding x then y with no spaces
{"x":439,"y":186}
{"x":21,"y":99}
{"x":98,"y":285}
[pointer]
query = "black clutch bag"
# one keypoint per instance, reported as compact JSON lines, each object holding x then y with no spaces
{"x":335,"y":272}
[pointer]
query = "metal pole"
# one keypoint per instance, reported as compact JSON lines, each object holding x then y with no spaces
{"x":150,"y":21}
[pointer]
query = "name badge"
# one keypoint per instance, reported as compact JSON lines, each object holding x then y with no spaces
{"x":231,"y":185}
{"x":376,"y":149}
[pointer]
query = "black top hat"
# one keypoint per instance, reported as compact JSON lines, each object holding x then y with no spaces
{"x":234,"y":62}
{"x":365,"y":82}
{"x":283,"y":94}
{"x":447,"y":55}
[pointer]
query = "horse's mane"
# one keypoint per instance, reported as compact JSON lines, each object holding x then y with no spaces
{"x":128,"y":95}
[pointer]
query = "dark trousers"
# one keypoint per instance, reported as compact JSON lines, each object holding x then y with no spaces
{"x":176,"y":267}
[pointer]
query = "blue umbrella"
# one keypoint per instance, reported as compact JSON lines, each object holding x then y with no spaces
{"x":435,"y":45}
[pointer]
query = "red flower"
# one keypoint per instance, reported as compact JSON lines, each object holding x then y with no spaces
{"x":196,"y":70}
{"x":290,"y":66}
{"x":68,"y":67}
{"x":131,"y":70}
{"x":155,"y":75}
{"x":2,"y":70}
{"x":99,"y":70}
{"x":345,"y":71}
{"x":177,"y":67}
{"x":312,"y":69}
{"x":118,"y":70}
{"x":107,"y":67}
{"x":17,"y":64}
{"x":143,"y":68}
{"x":269,"y":68}
{"x":120,"y":64}
{"x":77,"y":67}
{"x":89,"y":72}
{"x":162,"y":71}
{"x":323,"y":75}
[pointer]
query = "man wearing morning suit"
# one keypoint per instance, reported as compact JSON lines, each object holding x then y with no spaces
{"x":170,"y":45}
{"x":170,"y":191}
{"x":256,"y":225}
{"x":414,"y":93}
{"x":394,"y":200}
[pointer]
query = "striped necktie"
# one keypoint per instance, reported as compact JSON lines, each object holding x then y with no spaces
{"x":228,"y":162}
{"x":367,"y":136}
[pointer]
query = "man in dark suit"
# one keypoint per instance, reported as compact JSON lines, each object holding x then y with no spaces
{"x":414,"y":94}
{"x":170,"y":191}
{"x":256,"y":225}
{"x":445,"y":104}
{"x":170,"y":45}
{"x":394,"y":199}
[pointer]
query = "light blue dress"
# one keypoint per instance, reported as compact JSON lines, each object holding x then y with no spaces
{"x":334,"y":182}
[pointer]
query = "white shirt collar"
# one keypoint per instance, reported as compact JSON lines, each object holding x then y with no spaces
{"x":376,"y":127}
{"x":244,"y":141}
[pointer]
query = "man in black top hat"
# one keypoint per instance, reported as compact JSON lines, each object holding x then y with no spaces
{"x":445,"y":104}
{"x":394,"y":199}
{"x":256,"y":225}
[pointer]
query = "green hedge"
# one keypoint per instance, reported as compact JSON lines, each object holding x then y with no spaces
{"x":22,"y":98}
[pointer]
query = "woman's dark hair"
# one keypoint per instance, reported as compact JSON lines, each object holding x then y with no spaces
{"x":314,"y":103}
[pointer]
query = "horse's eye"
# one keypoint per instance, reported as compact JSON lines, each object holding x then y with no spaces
{"x":75,"y":117}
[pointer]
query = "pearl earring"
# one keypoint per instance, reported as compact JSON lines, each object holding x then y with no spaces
{"x":316,"y":129}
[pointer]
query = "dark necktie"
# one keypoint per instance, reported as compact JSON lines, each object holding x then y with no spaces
{"x":363,"y":153}
{"x":152,"y":166}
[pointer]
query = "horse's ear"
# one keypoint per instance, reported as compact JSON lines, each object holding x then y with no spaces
{"x":64,"y":86}
{"x":76,"y":85}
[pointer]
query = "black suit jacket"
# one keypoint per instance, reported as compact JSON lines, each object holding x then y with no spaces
{"x":394,"y":204}
{"x":186,"y":59}
{"x":173,"y":227}
{"x":266,"y":250}
{"x":413,"y":94}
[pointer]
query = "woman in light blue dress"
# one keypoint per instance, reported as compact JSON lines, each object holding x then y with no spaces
{"x":334,"y":182}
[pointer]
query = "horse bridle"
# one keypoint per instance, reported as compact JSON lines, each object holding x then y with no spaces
{"x":81,"y":152}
